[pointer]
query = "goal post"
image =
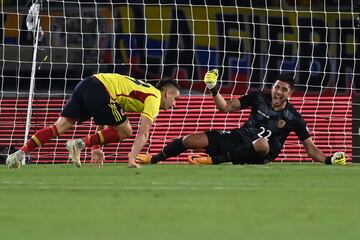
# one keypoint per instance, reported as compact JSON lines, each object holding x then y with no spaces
{"x":33,"y":24}
{"x":248,"y":41}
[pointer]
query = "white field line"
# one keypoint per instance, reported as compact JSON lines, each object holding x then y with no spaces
{"x":156,"y":186}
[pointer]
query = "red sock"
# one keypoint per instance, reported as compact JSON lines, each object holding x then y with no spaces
{"x":107,"y":135}
{"x":39,"y":138}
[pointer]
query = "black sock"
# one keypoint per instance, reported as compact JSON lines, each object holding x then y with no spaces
{"x":220,"y":159}
{"x":172,"y":149}
{"x":243,"y":154}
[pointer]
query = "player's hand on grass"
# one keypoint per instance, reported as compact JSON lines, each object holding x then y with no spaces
{"x":211,"y":78}
{"x":133,"y":164}
{"x":97,"y":156}
{"x":339,"y":158}
{"x":132,"y":161}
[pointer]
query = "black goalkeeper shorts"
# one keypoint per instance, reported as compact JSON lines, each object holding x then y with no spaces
{"x":221,"y":142}
{"x":90,"y":99}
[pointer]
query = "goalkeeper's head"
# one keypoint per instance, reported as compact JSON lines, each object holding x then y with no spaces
{"x":170,"y":92}
{"x":286,"y":77}
{"x":282,"y":90}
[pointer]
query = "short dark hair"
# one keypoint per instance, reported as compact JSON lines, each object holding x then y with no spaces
{"x":286,"y":77}
{"x":163,"y":83}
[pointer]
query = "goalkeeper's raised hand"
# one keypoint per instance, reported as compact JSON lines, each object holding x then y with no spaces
{"x":339,"y":158}
{"x":211,"y":78}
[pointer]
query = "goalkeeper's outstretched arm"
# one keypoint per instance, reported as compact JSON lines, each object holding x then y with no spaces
{"x":210,"y":79}
{"x":338,"y":158}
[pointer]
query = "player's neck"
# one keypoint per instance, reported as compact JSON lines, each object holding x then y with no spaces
{"x":280,"y":107}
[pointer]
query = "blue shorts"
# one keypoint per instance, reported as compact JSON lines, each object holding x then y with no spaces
{"x":90,"y":99}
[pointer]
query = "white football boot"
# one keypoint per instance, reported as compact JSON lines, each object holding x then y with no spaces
{"x":14,"y":160}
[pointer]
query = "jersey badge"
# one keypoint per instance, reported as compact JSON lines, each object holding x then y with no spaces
{"x":281,"y":123}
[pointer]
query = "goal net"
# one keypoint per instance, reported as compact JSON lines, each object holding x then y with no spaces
{"x":248,"y":41}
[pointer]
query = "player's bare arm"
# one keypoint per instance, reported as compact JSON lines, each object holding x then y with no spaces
{"x":97,"y":155}
{"x":313,"y":151}
{"x":226,"y":106}
{"x":338,"y":158}
{"x":140,"y":140}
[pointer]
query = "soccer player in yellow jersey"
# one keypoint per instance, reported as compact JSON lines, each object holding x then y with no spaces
{"x":105,"y":97}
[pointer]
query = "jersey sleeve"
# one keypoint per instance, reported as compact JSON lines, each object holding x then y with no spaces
{"x":301,"y":129}
{"x":248,"y":100}
{"x":151,"y":108}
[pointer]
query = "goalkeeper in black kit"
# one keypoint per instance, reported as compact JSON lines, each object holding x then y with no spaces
{"x":259,"y":140}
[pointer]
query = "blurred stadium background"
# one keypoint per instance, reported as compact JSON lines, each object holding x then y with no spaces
{"x":248,"y":41}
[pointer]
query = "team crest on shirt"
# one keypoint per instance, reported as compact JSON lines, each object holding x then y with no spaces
{"x":281,"y":123}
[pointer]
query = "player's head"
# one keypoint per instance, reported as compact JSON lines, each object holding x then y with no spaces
{"x":170,"y":92}
{"x":286,"y":77}
{"x":282,"y":90}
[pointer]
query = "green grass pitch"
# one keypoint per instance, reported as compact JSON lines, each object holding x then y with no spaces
{"x":275,"y":201}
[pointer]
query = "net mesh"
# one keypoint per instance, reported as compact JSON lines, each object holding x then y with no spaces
{"x":248,"y":42}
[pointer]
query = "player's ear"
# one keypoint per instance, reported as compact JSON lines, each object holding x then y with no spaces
{"x":291,"y":91}
{"x":169,"y":92}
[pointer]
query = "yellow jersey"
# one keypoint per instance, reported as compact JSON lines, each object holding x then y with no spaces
{"x":131,"y":94}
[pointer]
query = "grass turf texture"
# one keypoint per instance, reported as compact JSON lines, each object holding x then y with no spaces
{"x":275,"y":201}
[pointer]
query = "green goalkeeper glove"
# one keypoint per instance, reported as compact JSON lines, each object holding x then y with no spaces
{"x":210,"y":78}
{"x":339,"y":158}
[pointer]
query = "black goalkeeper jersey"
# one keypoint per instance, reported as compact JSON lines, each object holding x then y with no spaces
{"x":264,"y":121}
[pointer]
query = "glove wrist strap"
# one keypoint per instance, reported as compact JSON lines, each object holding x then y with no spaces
{"x":328,"y":160}
{"x":214,"y":91}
